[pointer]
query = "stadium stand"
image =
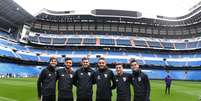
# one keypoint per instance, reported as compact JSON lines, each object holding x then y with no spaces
{"x":159,"y":44}
{"x":19,"y":70}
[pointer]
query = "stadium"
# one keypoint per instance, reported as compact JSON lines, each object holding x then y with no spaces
{"x":162,"y":45}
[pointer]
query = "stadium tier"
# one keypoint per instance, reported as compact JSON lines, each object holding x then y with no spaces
{"x":29,"y":53}
{"x":19,"y":70}
{"x":118,"y":41}
{"x":31,"y":71}
{"x":159,"y":44}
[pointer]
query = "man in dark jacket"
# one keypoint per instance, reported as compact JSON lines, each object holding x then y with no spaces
{"x":65,"y":81}
{"x":140,"y":83}
{"x":84,"y":80}
{"x":46,"y":83}
{"x":123,"y":81}
{"x":104,"y":77}
{"x":168,"y":81}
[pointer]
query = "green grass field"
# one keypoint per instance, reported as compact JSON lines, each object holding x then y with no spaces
{"x":24,"y":89}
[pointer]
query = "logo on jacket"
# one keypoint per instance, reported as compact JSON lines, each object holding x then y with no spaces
{"x":98,"y":77}
{"x":81,"y":73}
{"x":105,"y":75}
{"x":139,"y":79}
{"x":124,"y":79}
{"x":89,"y":73}
{"x":71,"y":75}
{"x":117,"y":80}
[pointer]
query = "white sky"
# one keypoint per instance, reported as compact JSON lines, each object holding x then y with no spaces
{"x":170,"y":8}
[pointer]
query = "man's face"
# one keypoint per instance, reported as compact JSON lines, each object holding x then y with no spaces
{"x":85,"y":63}
{"x":53,"y":62}
{"x":119,"y":69}
{"x":135,"y":66}
{"x":101,"y":64}
{"x":68,"y":64}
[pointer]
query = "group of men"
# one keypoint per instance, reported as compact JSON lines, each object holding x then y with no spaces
{"x":85,"y":77}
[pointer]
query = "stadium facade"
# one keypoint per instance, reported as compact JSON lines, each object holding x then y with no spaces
{"x":162,"y":45}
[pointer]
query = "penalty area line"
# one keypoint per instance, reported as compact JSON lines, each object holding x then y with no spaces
{"x":6,"y":99}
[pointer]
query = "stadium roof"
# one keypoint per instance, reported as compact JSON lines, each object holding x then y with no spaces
{"x":170,"y":8}
{"x":13,"y":14}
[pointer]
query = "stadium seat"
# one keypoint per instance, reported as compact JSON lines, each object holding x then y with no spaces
{"x":107,"y":42}
{"x":180,"y":45}
{"x":123,"y":42}
{"x":45,"y":40}
{"x":167,"y":45}
{"x":74,"y":41}
{"x":59,"y":40}
{"x":192,"y":45}
{"x":90,"y":41}
{"x":140,"y":43}
{"x":154,"y":44}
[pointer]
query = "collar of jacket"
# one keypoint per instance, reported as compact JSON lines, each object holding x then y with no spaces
{"x":102,"y":70}
{"x":86,"y":69}
{"x":68,"y":70}
{"x":50,"y":68}
{"x":119,"y":75}
{"x":137,"y":73}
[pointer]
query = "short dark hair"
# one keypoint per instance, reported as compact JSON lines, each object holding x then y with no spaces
{"x":101,"y":58}
{"x":133,"y":60}
{"x":85,"y":58}
{"x":118,"y":64}
{"x":68,"y":58}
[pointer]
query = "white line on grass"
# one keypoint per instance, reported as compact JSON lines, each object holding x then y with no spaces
{"x":6,"y":99}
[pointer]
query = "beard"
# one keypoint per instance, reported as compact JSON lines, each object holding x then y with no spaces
{"x":135,"y":69}
{"x":68,"y":67}
{"x":53,"y":65}
{"x":101,"y":67}
{"x":85,"y":66}
{"x":136,"y":72}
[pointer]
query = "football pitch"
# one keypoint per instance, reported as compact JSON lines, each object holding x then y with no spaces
{"x":24,"y":89}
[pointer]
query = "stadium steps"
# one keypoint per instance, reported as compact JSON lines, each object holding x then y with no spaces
{"x":97,"y":41}
{"x":161,"y":44}
{"x":132,"y":42}
{"x":66,"y":41}
{"x":146,"y":43}
{"x":174,"y":45}
{"x":82,"y":41}
{"x":51,"y":42}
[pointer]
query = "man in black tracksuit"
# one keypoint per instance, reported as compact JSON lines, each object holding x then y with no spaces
{"x":65,"y":81}
{"x":123,"y":81}
{"x":168,"y":81}
{"x":84,"y":80}
{"x":104,"y":77}
{"x":46,"y":83}
{"x":140,"y":83}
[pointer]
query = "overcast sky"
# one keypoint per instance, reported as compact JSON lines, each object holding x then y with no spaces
{"x":170,"y":8}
